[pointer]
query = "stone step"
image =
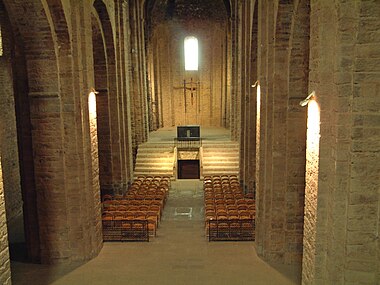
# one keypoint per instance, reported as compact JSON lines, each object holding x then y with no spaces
{"x":221,"y":158}
{"x":157,"y":146}
{"x":220,"y":171}
{"x":215,"y":164}
{"x":223,"y":151}
{"x":152,"y":151}
{"x":156,"y":170}
{"x":154,"y":165}
{"x":221,"y":145}
{"x":156,"y":156}
{"x":153,"y":173}
{"x":220,"y":151}
{"x":154,"y":159}
{"x":211,"y":143}
{"x":163,"y":149}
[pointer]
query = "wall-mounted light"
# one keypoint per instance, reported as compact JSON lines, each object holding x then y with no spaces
{"x":92,"y":101}
{"x":307,"y":99}
{"x":92,"y":90}
{"x":255,"y":84}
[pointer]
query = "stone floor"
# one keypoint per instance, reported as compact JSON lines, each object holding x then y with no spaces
{"x":180,"y":254}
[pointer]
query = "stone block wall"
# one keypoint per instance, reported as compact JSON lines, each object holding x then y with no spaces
{"x":283,"y":48}
{"x":137,"y":74}
{"x":344,"y":73}
{"x":114,"y":123}
{"x":58,"y":54}
{"x":8,"y":132}
{"x":362,"y":263}
{"x":5,"y":271}
{"x":205,"y":98}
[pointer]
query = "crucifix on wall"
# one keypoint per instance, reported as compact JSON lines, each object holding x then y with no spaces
{"x":191,"y":86}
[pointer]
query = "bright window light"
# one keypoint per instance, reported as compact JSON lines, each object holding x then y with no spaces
{"x":191,"y":53}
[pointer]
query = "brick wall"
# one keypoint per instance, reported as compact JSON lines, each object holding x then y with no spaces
{"x":8,"y":135}
{"x":137,"y":75}
{"x":206,"y":103}
{"x":5,"y":271}
{"x":296,"y":134}
{"x":8,"y":132}
{"x":245,"y":18}
{"x":64,"y":153}
{"x":362,"y":262}
{"x":283,"y":73}
{"x":101,"y":86}
{"x":345,"y":72}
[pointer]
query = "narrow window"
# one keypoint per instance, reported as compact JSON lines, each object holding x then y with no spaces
{"x":191,"y":53}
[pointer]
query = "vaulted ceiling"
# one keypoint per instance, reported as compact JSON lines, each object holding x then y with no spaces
{"x":162,"y":10}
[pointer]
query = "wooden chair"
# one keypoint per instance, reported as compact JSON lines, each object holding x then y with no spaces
{"x":107,"y":216}
{"x":242,"y":207}
{"x":117,"y":215}
{"x":152,"y":222}
{"x":121,"y":208}
{"x":107,"y":197}
{"x":118,"y":197}
{"x":143,"y":208}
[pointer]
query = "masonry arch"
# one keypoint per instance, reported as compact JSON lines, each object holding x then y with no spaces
{"x":284,"y":139}
{"x":298,"y":89}
{"x":102,"y":104}
{"x":30,"y":88}
{"x":51,"y":158}
{"x":16,"y":143}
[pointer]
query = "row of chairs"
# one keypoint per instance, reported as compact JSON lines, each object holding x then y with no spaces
{"x":229,"y":214}
{"x":219,"y":178}
{"x":140,"y":208}
{"x":127,"y":217}
{"x":150,"y":181}
{"x":156,"y":206}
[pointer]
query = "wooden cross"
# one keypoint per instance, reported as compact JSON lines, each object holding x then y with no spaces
{"x":192,"y":88}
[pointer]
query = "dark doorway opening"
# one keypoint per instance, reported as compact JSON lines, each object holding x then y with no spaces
{"x":188,"y":169}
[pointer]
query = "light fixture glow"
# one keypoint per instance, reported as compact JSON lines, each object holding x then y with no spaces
{"x":313,"y":127}
{"x":191,"y":53}
{"x":258,"y":130}
{"x":92,"y":103}
{"x":311,"y":178}
{"x":258,"y":95}
{"x":307,"y":99}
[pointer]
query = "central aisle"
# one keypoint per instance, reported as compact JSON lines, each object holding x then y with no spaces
{"x":180,"y":254}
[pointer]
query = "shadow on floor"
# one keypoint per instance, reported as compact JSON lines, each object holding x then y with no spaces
{"x":24,"y":273}
{"x":296,"y":271}
{"x":18,"y":252}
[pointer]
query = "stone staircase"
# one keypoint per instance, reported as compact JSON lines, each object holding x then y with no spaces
{"x":155,"y":159}
{"x":220,"y":157}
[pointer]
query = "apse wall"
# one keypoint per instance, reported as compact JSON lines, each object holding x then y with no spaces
{"x":204,"y":99}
